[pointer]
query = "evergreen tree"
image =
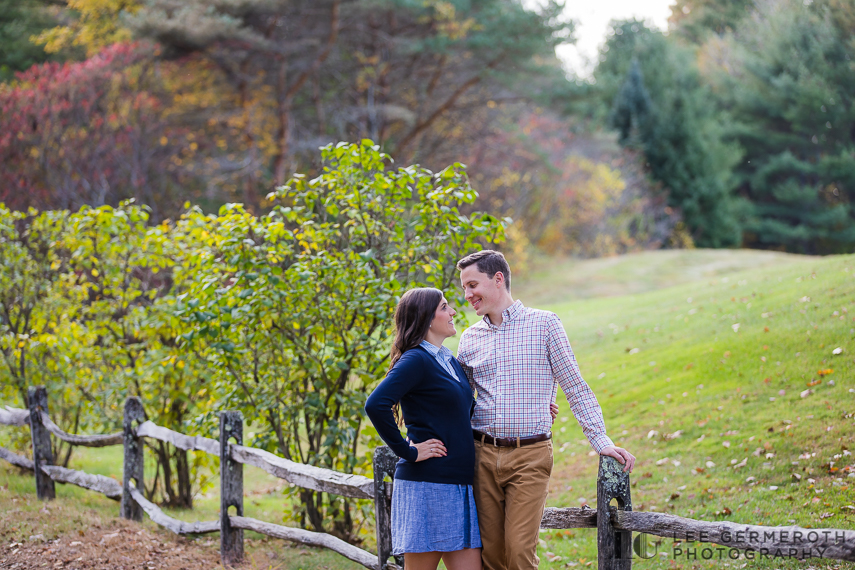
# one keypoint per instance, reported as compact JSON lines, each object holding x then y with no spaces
{"x":791,"y":89}
{"x":631,"y":107}
{"x":695,"y":20}
{"x":661,"y":107}
{"x":19,"y":20}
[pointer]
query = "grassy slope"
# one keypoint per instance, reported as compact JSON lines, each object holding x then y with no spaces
{"x":681,"y":345}
{"x":732,"y":395}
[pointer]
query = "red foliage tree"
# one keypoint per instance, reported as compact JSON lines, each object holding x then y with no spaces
{"x":82,"y":133}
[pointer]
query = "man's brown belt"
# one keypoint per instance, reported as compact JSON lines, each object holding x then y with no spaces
{"x":509,"y":441}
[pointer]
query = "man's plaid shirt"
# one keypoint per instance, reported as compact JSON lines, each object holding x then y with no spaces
{"x":516,"y":368}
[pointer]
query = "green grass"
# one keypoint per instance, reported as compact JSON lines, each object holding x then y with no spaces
{"x":549,"y":281}
{"x":670,"y":361}
{"x":654,"y":336}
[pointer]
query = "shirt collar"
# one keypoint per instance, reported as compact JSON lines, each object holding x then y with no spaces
{"x":435,"y":351}
{"x":508,"y":314}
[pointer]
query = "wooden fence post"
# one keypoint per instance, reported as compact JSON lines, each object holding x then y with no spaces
{"x":385,"y":461}
{"x":42,"y":452}
{"x":231,"y":489}
{"x":614,"y":547}
{"x":133,"y":463}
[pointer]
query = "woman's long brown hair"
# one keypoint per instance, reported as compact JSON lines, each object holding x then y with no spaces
{"x":413,"y":317}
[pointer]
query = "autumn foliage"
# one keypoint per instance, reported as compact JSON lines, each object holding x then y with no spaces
{"x":82,"y":133}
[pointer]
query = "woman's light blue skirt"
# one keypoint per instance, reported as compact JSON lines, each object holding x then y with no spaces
{"x":433,"y":517}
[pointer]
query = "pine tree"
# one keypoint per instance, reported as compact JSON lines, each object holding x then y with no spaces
{"x":661,"y":107}
{"x":19,"y":20}
{"x":790,"y":86}
{"x":631,"y":107}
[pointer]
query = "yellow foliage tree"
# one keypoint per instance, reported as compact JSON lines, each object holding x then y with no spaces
{"x":97,"y":25}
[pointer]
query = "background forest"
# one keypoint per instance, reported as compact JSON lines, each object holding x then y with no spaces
{"x":733,"y":128}
{"x":225,"y":282}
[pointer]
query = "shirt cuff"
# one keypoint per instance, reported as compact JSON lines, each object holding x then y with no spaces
{"x":600,"y":441}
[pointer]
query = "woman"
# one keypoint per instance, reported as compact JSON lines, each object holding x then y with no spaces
{"x":433,"y":509}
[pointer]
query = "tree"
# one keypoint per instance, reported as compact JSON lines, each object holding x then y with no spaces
{"x":632,"y":108}
{"x":92,"y":25}
{"x":788,"y":84}
{"x":661,"y":105}
{"x":417,"y":77}
{"x":127,"y":279}
{"x":571,"y":193}
{"x":19,"y":20}
{"x":293,"y":309}
{"x":87,"y":303}
{"x":90,"y":132}
{"x":695,"y":20}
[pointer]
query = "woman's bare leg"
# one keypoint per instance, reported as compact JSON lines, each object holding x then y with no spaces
{"x":466,"y":559}
{"x":422,"y":560}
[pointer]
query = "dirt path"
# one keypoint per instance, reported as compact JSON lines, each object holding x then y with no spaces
{"x":42,"y":538}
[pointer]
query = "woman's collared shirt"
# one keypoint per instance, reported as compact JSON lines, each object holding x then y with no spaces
{"x":442,"y":355}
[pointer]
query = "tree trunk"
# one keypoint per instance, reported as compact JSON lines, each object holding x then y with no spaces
{"x":313,"y":503}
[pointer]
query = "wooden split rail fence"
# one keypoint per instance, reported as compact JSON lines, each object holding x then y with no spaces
{"x":614,"y":524}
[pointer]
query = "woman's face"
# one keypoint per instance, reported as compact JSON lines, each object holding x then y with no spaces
{"x":443,"y":321}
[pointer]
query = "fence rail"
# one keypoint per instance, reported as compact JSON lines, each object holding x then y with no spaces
{"x":614,"y":525}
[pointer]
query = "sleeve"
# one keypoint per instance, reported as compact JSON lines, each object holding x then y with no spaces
{"x":582,"y":401}
{"x":404,"y":376}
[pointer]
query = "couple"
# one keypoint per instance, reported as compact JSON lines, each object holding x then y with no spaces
{"x":478,"y":425}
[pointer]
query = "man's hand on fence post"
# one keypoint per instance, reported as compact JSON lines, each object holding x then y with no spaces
{"x":624,"y":457}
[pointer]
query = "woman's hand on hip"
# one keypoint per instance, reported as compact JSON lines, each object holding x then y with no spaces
{"x":430,"y":449}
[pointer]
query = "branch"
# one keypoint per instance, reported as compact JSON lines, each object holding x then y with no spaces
{"x":423,"y":125}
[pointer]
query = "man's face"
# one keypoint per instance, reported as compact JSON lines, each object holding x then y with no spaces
{"x":483,"y":292}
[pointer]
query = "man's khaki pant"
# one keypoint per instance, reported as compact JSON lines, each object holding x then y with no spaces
{"x":510,"y":493}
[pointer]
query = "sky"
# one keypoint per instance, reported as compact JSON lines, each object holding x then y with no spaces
{"x":593,"y":16}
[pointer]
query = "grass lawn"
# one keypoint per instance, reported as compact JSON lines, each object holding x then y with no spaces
{"x":732,"y":394}
{"x":719,"y":370}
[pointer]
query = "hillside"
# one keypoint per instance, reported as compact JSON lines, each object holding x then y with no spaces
{"x":735,"y":392}
{"x":546,"y":281}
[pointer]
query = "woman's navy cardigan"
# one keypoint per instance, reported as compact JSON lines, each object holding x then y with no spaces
{"x":435,"y":406}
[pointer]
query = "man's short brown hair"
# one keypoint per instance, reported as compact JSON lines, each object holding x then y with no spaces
{"x":489,"y":262}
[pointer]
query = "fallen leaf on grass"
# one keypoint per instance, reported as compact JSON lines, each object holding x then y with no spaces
{"x":825,"y":372}
{"x":806,"y":393}
{"x":814,"y":383}
{"x":837,"y":350}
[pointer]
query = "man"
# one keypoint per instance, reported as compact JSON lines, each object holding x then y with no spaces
{"x":515,"y":358}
